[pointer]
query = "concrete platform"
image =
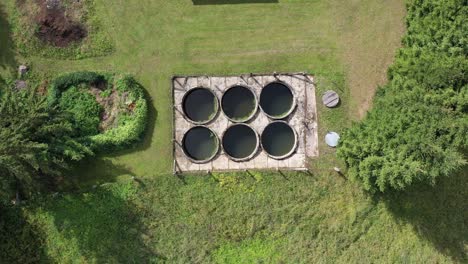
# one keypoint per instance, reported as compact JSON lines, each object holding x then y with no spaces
{"x":303,"y":120}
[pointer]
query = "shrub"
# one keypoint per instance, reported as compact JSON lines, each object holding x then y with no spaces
{"x":131,"y":125}
{"x":418,"y":128}
{"x":84,"y":109}
{"x":65,"y":81}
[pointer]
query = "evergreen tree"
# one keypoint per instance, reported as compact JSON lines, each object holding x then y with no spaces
{"x":417,"y":130}
{"x":35,"y":143}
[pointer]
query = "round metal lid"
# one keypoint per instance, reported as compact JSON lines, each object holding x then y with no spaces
{"x":330,"y":99}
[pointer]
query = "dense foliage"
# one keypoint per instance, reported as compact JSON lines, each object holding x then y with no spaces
{"x":131,"y":123}
{"x":130,"y":126}
{"x":84,"y":109}
{"x":20,"y":242}
{"x":418,"y":128}
{"x":35,"y":142}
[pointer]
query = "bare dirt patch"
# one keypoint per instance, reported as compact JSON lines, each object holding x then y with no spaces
{"x":56,"y":26}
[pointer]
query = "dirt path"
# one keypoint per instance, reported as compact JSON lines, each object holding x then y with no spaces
{"x":362,"y":53}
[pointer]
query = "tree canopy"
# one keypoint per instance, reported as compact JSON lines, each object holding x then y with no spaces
{"x":35,"y":143}
{"x":417,"y":130}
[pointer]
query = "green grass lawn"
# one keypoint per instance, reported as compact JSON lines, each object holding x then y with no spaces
{"x":158,"y":39}
{"x":290,"y":217}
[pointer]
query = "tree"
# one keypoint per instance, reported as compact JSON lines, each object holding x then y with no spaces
{"x":409,"y":137}
{"x":35,"y":143}
{"x":417,"y":130}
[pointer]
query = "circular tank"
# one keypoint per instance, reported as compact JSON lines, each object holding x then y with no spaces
{"x":240,"y":142}
{"x":200,"y":144}
{"x":239,"y":103}
{"x":279,"y":140}
{"x":200,"y":105}
{"x":277,"y":100}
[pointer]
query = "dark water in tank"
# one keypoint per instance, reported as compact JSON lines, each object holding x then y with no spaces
{"x":278,"y":139}
{"x":200,"y":104}
{"x":239,"y":141}
{"x":238,"y":103}
{"x":276,"y":99}
{"x":200,"y":143}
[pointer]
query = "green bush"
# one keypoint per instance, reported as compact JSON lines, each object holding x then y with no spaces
{"x":63,"y":82}
{"x":84,"y":108}
{"x":130,"y":125}
{"x":418,"y":128}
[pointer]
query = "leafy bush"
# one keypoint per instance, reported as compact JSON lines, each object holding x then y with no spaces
{"x":84,"y":109}
{"x":418,"y":127}
{"x":131,"y":125}
{"x":63,"y":82}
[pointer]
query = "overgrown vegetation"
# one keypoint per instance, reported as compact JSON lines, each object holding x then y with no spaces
{"x":40,"y":31}
{"x":109,"y":112}
{"x":418,"y":128}
{"x":84,"y":108}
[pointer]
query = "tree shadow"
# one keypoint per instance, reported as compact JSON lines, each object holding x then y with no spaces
{"x":20,"y":241}
{"x":102,"y":226}
{"x":103,"y":171}
{"x":233,"y":2}
{"x":7,"y":51}
{"x":438,"y":214}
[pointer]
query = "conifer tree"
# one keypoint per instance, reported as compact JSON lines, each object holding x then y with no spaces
{"x":35,"y":143}
{"x":417,"y":130}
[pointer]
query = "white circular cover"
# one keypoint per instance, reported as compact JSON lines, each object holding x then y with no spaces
{"x":332,"y":139}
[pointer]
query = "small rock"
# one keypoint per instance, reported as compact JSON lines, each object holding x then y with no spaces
{"x":105,"y":116}
{"x":52,"y":4}
{"x":21,"y":85}
{"x":22,"y":70}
